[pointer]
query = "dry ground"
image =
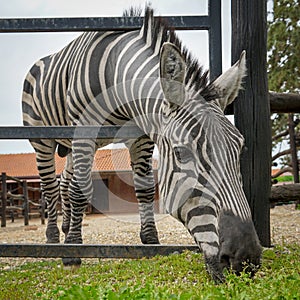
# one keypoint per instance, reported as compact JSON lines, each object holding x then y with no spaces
{"x":124,"y":229}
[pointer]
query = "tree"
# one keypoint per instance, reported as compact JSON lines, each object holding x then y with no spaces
{"x":284,"y":47}
{"x":283,"y":60}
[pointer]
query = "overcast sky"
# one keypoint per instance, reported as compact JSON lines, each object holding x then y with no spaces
{"x":19,"y":51}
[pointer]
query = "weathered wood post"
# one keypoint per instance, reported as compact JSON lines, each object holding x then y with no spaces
{"x":42,"y":209}
{"x":293,"y":148}
{"x":252,"y":109}
{"x":3,"y":200}
{"x":25,"y":204}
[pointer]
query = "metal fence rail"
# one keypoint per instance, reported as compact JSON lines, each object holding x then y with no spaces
{"x":98,"y":24}
{"x":91,"y":251}
{"x":210,"y":22}
{"x":69,"y":132}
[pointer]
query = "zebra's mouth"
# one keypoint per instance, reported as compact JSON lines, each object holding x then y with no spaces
{"x":238,"y":265}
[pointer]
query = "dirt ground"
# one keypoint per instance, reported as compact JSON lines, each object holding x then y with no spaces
{"x":124,"y":229}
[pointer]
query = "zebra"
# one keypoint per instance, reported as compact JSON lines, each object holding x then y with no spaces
{"x":147,"y":78}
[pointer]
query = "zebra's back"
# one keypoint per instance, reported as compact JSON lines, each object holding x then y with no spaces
{"x":74,"y":85}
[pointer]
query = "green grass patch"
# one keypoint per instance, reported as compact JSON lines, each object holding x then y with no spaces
{"x":174,"y":277}
{"x":285,"y":178}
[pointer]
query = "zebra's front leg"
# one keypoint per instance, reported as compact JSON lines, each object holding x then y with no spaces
{"x":148,"y":233}
{"x":45,"y":150}
{"x":141,"y":161}
{"x":80,"y":193}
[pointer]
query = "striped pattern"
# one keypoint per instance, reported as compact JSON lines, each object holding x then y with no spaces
{"x":208,"y":180}
{"x":115,"y":78}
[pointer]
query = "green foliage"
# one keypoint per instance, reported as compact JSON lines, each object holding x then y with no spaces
{"x":285,"y":178}
{"x":284,"y":47}
{"x":284,"y":58}
{"x":180,"y":277}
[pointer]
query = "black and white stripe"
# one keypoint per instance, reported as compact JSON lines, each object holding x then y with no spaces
{"x":120,"y":77}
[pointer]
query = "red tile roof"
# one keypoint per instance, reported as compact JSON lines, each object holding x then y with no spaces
{"x":18,"y":164}
{"x":24,"y":164}
{"x":112,"y":160}
{"x":274,"y":171}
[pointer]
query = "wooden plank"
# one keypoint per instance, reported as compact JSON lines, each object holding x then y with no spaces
{"x":8,"y":208}
{"x":284,"y":102}
{"x":15,"y":196}
{"x":285,"y":193}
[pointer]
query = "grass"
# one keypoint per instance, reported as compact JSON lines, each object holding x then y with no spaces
{"x":285,"y":178}
{"x":174,"y":277}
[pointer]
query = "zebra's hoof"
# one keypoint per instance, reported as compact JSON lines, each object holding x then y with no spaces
{"x":52,"y":234}
{"x":71,"y":263}
{"x":149,"y":239}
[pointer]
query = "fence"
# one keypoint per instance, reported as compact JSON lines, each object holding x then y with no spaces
{"x":210,"y":22}
{"x":7,"y":196}
{"x":10,"y":197}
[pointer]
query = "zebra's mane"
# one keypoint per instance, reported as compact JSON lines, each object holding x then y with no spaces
{"x":196,"y":78}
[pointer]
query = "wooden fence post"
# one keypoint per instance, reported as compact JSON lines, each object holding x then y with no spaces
{"x":26,"y":205}
{"x":3,"y":200}
{"x":293,"y":148}
{"x":42,"y":208}
{"x":252,"y":109}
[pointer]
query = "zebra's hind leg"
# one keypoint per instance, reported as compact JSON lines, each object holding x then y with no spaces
{"x":45,"y":150}
{"x":80,"y":193}
{"x":65,"y":180}
{"x":141,"y":152}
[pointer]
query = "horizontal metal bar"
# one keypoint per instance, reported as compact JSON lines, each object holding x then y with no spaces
{"x":70,"y":132}
{"x":91,"y":251}
{"x":97,"y":24}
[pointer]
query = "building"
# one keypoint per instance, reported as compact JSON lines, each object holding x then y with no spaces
{"x":111,"y":175}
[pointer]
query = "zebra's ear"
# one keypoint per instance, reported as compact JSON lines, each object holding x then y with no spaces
{"x":229,"y":83}
{"x":172,"y":73}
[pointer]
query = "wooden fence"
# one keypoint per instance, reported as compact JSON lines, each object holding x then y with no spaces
{"x":12,"y":202}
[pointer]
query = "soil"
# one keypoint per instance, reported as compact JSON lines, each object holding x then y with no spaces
{"x":124,"y":229}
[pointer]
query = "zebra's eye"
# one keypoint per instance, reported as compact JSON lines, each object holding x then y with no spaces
{"x":183,"y":154}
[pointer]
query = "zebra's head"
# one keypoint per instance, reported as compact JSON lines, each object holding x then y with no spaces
{"x":200,"y":153}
